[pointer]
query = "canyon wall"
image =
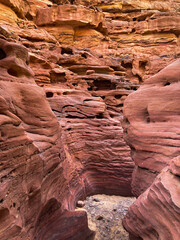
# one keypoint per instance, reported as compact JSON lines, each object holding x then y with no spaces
{"x":34,"y":188}
{"x":61,"y":135}
{"x":152,"y":131}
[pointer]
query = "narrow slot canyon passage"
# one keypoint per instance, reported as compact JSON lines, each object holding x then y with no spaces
{"x":105,"y":214}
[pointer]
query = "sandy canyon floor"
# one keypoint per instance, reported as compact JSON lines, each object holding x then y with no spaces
{"x":105,"y":214}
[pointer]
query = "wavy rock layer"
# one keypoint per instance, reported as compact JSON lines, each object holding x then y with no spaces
{"x":151,"y":127}
{"x":152,"y":123}
{"x":44,"y":170}
{"x":32,"y":157}
{"x":156,"y":213}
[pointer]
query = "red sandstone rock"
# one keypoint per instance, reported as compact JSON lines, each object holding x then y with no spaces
{"x":154,"y":106}
{"x":151,"y":129}
{"x":23,"y":141}
{"x":94,"y":140}
{"x":19,"y":6}
{"x":175,"y":166}
{"x":69,"y":14}
{"x":156,"y":213}
{"x":70,"y":225}
{"x":42,"y":171}
{"x":31,"y":155}
{"x":127,"y":42}
{"x":138,"y":36}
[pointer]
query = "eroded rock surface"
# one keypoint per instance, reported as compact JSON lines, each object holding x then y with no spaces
{"x":156,"y":213}
{"x":33,"y":187}
{"x":151,"y":124}
{"x":151,"y":129}
{"x":87,"y":57}
{"x":52,"y":170}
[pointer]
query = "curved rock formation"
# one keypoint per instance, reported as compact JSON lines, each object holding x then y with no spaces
{"x":32,"y":183}
{"x":151,"y":124}
{"x":141,"y":36}
{"x":44,"y":173}
{"x":156,"y":213}
{"x":87,"y":56}
{"x":151,"y":129}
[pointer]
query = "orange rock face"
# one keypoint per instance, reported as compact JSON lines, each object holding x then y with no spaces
{"x":151,"y":129}
{"x":68,"y":15}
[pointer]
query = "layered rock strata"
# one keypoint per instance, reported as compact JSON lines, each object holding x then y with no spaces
{"x":33,"y":187}
{"x":141,"y":36}
{"x":151,"y":129}
{"x":44,"y":171}
{"x":86,"y":59}
{"x":156,"y":213}
{"x":151,"y":124}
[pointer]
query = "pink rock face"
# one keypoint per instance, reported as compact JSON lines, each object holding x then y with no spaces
{"x":156,"y":213}
{"x":94,"y":142}
{"x":152,"y":122}
{"x":14,"y":63}
{"x":175,"y":166}
{"x":23,"y":106}
{"x":31,"y":155}
{"x":151,"y":129}
{"x":87,"y":56}
{"x":46,"y":169}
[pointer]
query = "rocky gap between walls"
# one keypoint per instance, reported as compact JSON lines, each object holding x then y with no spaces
{"x":105,"y":214}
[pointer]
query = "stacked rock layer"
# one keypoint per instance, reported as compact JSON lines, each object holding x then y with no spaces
{"x":86,"y":58}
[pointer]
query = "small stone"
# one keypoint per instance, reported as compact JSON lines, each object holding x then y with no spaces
{"x":96,"y":200}
{"x":88,"y":72}
{"x":80,"y":204}
{"x":99,"y":217}
{"x":91,"y":205}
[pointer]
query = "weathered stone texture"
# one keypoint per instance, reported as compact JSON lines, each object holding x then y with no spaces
{"x":87,"y":57}
{"x":152,"y":131}
{"x":152,"y":118}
